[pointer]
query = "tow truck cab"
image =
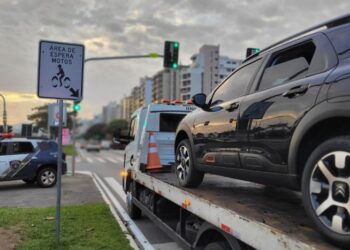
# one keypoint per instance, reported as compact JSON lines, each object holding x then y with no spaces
{"x":162,"y":120}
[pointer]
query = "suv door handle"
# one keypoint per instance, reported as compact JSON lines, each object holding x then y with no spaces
{"x":296,"y":91}
{"x":233,"y":106}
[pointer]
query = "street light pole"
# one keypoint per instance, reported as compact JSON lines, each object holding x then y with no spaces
{"x":4,"y":117}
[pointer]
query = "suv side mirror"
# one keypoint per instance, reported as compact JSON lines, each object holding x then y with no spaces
{"x":200,"y":101}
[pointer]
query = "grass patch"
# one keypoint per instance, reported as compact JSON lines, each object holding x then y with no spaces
{"x":69,"y":150}
{"x":90,"y":226}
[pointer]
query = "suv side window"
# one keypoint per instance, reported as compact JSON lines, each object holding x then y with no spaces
{"x":3,"y":148}
{"x":236,"y":85}
{"x":22,"y":148}
{"x":287,"y":66}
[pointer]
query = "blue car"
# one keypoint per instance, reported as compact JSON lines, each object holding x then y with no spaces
{"x":30,"y":160}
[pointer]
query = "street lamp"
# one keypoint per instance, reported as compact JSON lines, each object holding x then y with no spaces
{"x":4,"y":117}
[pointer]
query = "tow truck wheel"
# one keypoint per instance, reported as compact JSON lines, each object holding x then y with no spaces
{"x":133,"y":211}
{"x":326,"y":189}
{"x":217,"y":245}
{"x":187,"y":175}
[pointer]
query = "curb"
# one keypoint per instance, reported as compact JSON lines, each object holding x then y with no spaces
{"x":133,"y":233}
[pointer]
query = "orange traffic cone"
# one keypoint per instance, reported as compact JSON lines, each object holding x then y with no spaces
{"x":153,"y":161}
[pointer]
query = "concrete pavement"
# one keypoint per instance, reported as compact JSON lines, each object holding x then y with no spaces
{"x":76,"y":190}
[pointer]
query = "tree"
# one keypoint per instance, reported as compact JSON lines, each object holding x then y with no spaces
{"x":105,"y":131}
{"x":96,"y":132}
{"x":40,"y":118}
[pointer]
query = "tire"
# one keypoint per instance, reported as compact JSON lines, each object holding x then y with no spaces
{"x":323,"y":183}
{"x":29,"y":181}
{"x":218,"y":245}
{"x":133,"y":211}
{"x":47,"y":177}
{"x":186,"y":174}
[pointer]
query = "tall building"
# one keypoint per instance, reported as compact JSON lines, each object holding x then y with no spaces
{"x":206,"y":71}
{"x":167,"y":84}
{"x":146,"y":91}
{"x":210,"y":67}
{"x":110,"y":112}
{"x":126,"y":105}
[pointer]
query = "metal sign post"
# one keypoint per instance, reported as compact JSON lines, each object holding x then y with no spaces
{"x":59,"y":173}
{"x":60,"y":76}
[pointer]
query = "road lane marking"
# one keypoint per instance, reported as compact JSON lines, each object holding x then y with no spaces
{"x":167,"y":245}
{"x":78,"y":159}
{"x":111,"y":200}
{"x":116,"y":187}
{"x":100,"y":160}
{"x":89,"y":159}
{"x":112,"y":160}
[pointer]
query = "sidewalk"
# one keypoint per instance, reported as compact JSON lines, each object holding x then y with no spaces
{"x":76,"y":190}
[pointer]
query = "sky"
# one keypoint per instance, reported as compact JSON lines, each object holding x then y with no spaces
{"x":115,"y":27}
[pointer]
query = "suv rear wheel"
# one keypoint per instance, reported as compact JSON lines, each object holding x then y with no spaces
{"x":47,"y":177}
{"x":326,"y":188}
{"x":187,"y":175}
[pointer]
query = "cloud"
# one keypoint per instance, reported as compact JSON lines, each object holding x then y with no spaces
{"x":115,"y":27}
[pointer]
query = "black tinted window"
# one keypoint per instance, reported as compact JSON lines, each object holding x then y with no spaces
{"x":3,"y":148}
{"x":22,"y":148}
{"x":236,"y":85}
{"x":288,"y":66}
{"x":169,"y":122}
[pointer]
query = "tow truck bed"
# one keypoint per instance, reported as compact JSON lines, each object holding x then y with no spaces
{"x":262,"y":217}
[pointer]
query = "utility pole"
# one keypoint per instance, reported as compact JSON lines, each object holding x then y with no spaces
{"x":73,"y":135}
{"x":4,"y":117}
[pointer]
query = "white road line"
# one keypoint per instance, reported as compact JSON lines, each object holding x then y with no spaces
{"x":100,"y":159}
{"x":112,"y":160}
{"x":116,"y":187}
{"x":167,"y":246}
{"x":89,"y":159}
{"x":124,"y":216}
{"x":78,"y":159}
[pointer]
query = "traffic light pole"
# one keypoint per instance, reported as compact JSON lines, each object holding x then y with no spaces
{"x":4,"y":118}
{"x":151,"y":55}
{"x":74,"y":150}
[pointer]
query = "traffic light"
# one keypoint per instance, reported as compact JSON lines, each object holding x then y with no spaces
{"x":171,"y":54}
{"x":76,"y":106}
{"x":252,"y":51}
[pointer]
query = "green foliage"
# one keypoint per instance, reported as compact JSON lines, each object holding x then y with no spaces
{"x":105,"y":131}
{"x":89,"y":226}
{"x":40,"y":118}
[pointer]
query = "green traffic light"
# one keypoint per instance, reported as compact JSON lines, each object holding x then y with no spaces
{"x":176,"y":45}
{"x":76,"y":107}
{"x":174,"y":65}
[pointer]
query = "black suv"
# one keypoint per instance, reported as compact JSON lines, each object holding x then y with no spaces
{"x":282,"y":118}
{"x":30,"y":160}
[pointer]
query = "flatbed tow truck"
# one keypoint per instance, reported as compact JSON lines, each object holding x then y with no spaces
{"x":222,"y":213}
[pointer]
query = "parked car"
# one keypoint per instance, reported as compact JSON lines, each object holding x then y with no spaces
{"x":30,"y":160}
{"x":105,"y":144}
{"x":281,"y":118}
{"x":93,"y":146}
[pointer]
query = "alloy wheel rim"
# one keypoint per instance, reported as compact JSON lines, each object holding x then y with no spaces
{"x":329,"y":191}
{"x":183,"y":159}
{"x":48,"y":177}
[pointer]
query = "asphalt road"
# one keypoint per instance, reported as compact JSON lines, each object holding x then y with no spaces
{"x":107,"y":164}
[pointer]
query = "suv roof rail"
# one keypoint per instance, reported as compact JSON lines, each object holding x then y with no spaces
{"x":328,"y":24}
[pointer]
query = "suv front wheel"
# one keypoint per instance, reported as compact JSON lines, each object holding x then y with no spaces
{"x":326,"y":188}
{"x":47,"y":177}
{"x":187,"y":175}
